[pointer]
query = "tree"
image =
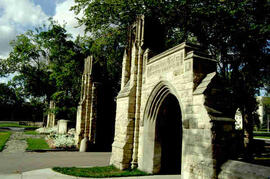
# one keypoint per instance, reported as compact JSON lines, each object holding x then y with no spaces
{"x":106,"y":51}
{"x":28,"y":60}
{"x":13,"y":105}
{"x":46,"y":63}
{"x":8,"y":101}
{"x":236,"y":34}
{"x":65,"y":64}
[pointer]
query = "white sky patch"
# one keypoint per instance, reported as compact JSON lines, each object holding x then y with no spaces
{"x":7,"y":34}
{"x":23,"y":12}
{"x":63,"y":16}
{"x":7,"y":78}
{"x":16,"y":17}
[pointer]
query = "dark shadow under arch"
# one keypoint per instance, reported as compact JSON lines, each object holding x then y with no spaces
{"x":169,"y":135}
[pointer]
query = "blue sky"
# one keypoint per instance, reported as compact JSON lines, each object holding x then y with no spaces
{"x":48,"y":6}
{"x":17,"y":16}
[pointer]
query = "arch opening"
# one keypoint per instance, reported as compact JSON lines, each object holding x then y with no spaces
{"x":162,"y":133}
{"x":169,"y":136}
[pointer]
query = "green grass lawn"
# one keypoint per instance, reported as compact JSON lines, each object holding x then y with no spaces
{"x":261,"y":137}
{"x":261,"y":134}
{"x":98,"y":172}
{"x":262,"y":160}
{"x":17,"y":125}
{"x":37,"y":144}
{"x":4,"y":136}
{"x":31,"y":133}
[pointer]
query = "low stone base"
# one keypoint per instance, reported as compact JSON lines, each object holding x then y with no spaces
{"x":241,"y":170}
{"x":62,"y":126}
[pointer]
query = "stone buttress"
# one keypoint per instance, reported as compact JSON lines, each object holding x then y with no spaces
{"x":128,"y":100}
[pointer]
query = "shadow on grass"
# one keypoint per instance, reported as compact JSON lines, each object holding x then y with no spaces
{"x":16,"y":125}
{"x":99,"y":172}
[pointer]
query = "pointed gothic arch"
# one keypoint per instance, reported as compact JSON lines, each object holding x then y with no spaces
{"x":162,"y":140}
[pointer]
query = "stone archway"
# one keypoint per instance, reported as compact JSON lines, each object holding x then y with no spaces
{"x":169,"y":135}
{"x":179,"y":80}
{"x":162,"y":137}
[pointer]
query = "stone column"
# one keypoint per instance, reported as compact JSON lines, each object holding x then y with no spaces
{"x":141,"y":58}
{"x":93,"y":115}
{"x":51,"y":115}
{"x":125,"y":69}
{"x":85,"y":142}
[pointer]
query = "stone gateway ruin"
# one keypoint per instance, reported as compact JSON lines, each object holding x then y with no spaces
{"x":87,"y":109}
{"x":93,"y":120}
{"x":170,"y":116}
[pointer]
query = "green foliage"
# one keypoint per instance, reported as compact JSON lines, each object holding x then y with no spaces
{"x":98,"y":172}
{"x":107,"y":53}
{"x":46,"y":63}
{"x":28,"y":60}
{"x":66,"y":105}
{"x":9,"y":124}
{"x":261,"y":137}
{"x":37,"y":144}
{"x":13,"y":105}
{"x":236,"y":34}
{"x":261,"y":134}
{"x":224,"y":27}
{"x":8,"y":96}
{"x":65,"y":65}
{"x":4,"y":136}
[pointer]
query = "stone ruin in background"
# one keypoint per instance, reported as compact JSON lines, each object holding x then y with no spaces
{"x":62,"y":125}
{"x":87,"y":108}
{"x":172,"y":115}
{"x":94,"y":129}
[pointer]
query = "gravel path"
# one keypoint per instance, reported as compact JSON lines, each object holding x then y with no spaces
{"x":17,"y":142}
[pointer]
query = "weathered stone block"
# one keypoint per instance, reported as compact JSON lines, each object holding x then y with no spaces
{"x":62,"y":126}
